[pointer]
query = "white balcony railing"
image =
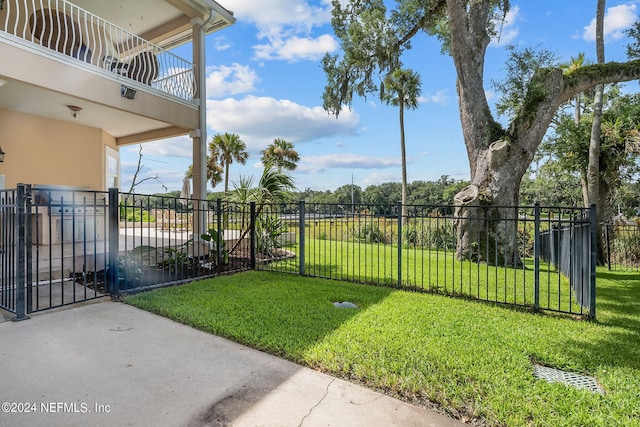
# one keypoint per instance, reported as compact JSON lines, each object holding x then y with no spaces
{"x":72,"y":31}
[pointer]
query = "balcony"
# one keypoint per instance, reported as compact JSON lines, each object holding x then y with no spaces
{"x":71,"y":34}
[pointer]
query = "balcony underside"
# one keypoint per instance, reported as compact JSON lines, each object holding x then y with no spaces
{"x":150,"y":115}
{"x":111,"y":59}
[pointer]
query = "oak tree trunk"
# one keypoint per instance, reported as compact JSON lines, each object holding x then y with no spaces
{"x":486,"y":210}
{"x":499,"y":157}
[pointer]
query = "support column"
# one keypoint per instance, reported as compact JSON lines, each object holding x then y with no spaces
{"x":199,"y":136}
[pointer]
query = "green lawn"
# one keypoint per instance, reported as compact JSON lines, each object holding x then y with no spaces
{"x":432,"y":270}
{"x":471,"y":358}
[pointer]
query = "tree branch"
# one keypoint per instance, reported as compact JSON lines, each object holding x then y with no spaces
{"x":549,"y":89}
{"x":589,"y":76}
{"x":437,"y":9}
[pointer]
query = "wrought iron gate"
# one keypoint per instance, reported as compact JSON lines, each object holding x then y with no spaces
{"x":50,"y":253}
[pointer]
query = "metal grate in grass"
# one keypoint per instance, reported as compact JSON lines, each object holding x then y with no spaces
{"x":569,"y":378}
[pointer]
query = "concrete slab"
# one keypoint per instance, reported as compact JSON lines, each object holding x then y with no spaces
{"x":108,"y":364}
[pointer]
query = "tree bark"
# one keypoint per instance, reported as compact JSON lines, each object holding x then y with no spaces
{"x":486,"y":213}
{"x":226,"y":178}
{"x":496,"y":173}
{"x":593,"y":170}
{"x":497,"y":160}
{"x":585,"y":189}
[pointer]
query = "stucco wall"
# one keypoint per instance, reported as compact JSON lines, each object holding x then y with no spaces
{"x":50,"y":152}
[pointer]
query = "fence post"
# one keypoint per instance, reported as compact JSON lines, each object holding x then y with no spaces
{"x":114,"y":242}
{"x":252,"y":234}
{"x":220,"y":235}
{"x":536,"y":256}
{"x":301,"y":225}
{"x":606,"y":238}
{"x":593,"y":260}
{"x":399,"y":244}
{"x":21,"y":281}
{"x":28,"y":245}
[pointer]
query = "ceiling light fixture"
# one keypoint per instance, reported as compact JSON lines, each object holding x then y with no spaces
{"x":127,"y":92}
{"x":75,"y":110}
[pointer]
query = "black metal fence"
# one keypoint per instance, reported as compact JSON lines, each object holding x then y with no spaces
{"x":167,"y":240}
{"x":62,"y":246}
{"x":492,"y":253}
{"x":11,"y":247}
{"x":567,"y":245}
{"x":622,"y":245}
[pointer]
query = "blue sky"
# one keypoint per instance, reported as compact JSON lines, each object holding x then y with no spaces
{"x":264,"y":81}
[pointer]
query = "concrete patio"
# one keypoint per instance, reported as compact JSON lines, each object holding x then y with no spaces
{"x":110,"y":364}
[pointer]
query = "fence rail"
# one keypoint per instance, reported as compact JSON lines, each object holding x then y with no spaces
{"x":62,"y":246}
{"x":8,"y":250}
{"x":569,"y":245}
{"x":500,"y":260}
{"x":161,"y":241}
{"x":81,"y":36}
{"x":622,"y":245}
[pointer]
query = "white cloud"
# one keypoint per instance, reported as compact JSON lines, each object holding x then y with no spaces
{"x":221,"y":43}
{"x":315,"y":164}
{"x":278,"y":13}
{"x":506,"y":28}
{"x":164,"y":163}
{"x":437,"y":98}
{"x":286,"y":27}
{"x":616,"y":20}
{"x":232,"y":79}
{"x":179,"y":146}
{"x":258,"y":120}
{"x":296,"y":48}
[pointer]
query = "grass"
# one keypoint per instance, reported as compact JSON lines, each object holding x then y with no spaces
{"x":472,"y":359}
{"x":433,"y":270}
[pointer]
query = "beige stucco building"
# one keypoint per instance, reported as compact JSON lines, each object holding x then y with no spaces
{"x":80,"y":79}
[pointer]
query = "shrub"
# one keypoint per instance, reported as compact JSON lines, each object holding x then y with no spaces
{"x":135,"y":214}
{"x":625,"y":246}
{"x":430,"y":234}
{"x":369,"y":232}
{"x":269,"y":228}
{"x":216,"y":244}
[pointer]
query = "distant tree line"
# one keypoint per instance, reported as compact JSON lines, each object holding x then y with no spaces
{"x":439,"y":192}
{"x":549,"y":184}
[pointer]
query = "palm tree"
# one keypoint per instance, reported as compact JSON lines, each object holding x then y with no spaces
{"x":568,"y":68}
{"x":402,"y":88}
{"x":282,"y":154}
{"x":593,"y":169}
{"x":214,"y":171}
{"x":275,"y":186}
{"x":226,"y":148}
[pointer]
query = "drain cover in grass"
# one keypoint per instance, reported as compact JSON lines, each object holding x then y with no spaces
{"x":569,"y":378}
{"x":344,"y":304}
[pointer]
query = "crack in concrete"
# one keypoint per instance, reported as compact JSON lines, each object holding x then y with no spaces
{"x":326,"y":392}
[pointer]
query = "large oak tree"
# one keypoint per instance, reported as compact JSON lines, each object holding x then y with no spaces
{"x":373,"y":40}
